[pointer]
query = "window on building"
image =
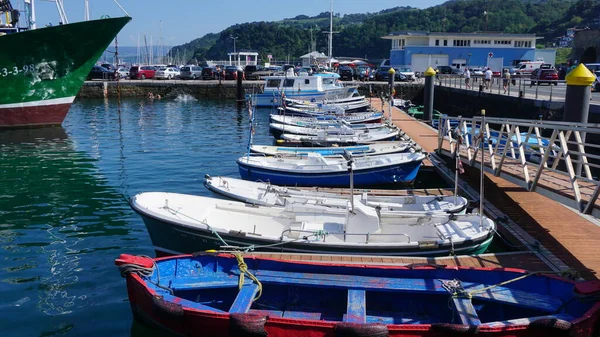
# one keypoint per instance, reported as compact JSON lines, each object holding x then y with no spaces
{"x":437,"y":42}
{"x":398,"y":44}
{"x":445,"y":42}
{"x":482,"y":42}
{"x":523,"y":44}
{"x":502,"y":42}
{"x":461,"y":43}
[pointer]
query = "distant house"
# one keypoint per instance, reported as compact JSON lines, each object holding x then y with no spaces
{"x":243,"y":58}
{"x":313,"y":57}
{"x":420,"y":50}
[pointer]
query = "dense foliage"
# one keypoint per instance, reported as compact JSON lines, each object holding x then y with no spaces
{"x":360,"y":34}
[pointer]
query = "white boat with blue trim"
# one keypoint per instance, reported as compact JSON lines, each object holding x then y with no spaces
{"x":311,"y":88}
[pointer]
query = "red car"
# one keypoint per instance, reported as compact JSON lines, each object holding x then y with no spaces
{"x":141,"y":72}
{"x":541,"y":75}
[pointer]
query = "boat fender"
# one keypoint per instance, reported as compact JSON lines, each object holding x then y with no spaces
{"x":550,"y":327}
{"x":448,"y":329}
{"x":247,"y":325}
{"x":165,"y":309}
{"x":345,"y":329}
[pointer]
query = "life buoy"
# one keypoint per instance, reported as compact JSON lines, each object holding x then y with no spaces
{"x":448,"y":329}
{"x":247,"y":325}
{"x":165,"y":309}
{"x":344,"y":329}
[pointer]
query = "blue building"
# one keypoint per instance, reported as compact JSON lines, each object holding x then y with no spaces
{"x":419,"y":50}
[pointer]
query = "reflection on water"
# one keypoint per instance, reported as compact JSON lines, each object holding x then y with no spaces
{"x":64,"y":213}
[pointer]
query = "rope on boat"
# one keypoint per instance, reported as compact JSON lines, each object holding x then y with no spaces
{"x":454,"y":287}
{"x":318,"y":234}
{"x":244,"y":271}
{"x":147,"y":272}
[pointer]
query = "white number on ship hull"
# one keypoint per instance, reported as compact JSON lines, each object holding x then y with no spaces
{"x":28,"y":68}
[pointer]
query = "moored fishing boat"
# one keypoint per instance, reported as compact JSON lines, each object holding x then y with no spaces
{"x":374,"y":149}
{"x":330,"y":128}
{"x":315,"y":87}
{"x":42,"y":70}
{"x":324,"y":139}
{"x":267,"y":194}
{"x":183,"y":223}
{"x":316,"y":170}
{"x":355,"y":118}
{"x":223,"y":295}
{"x":338,"y":108}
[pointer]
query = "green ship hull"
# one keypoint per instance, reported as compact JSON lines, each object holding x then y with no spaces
{"x":42,"y":70}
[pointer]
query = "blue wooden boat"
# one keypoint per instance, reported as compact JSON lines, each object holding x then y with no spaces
{"x":222,"y":295}
{"x":316,"y":170}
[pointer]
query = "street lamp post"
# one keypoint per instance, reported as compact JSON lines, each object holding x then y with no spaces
{"x":237,"y":59}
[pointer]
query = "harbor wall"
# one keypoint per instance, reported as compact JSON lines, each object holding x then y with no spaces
{"x":215,"y":90}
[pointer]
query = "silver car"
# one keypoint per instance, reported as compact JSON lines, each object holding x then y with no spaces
{"x":190,"y":72}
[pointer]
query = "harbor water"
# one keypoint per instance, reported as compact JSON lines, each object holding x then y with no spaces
{"x":64,"y":214}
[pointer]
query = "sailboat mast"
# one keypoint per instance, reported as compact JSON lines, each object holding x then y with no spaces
{"x":86,"y":13}
{"x":330,"y":32}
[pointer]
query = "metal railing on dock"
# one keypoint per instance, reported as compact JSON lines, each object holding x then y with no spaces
{"x":544,"y":156}
{"x":522,"y":87}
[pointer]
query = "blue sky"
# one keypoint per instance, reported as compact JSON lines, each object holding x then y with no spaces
{"x":183,"y":21}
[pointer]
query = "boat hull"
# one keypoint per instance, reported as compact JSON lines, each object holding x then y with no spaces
{"x":404,"y":173}
{"x":171,"y":238}
{"x":300,"y":298}
{"x":274,"y":99}
{"x":42,"y":70}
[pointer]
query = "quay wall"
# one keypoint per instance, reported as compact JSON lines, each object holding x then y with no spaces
{"x":216,"y":90}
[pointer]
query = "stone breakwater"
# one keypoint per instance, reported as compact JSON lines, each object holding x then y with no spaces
{"x":214,"y":90}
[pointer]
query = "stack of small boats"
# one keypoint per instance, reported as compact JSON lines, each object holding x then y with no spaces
{"x":233,"y":294}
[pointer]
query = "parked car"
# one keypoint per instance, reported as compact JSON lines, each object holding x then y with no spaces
{"x":109,"y":66}
{"x":101,"y":73}
{"x":167,"y":73}
{"x":190,"y":71}
{"x":410,"y":75}
{"x":251,"y":72}
{"x":231,"y":72}
{"x":123,"y":72}
{"x":596,"y":84}
{"x":141,"y":72}
{"x":210,"y":73}
{"x":544,"y":75}
{"x":477,"y":71}
{"x":346,"y":73}
{"x":382,"y":74}
{"x":444,"y":70}
{"x":366,"y":74}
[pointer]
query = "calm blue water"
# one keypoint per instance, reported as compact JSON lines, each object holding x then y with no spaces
{"x":64,"y":215}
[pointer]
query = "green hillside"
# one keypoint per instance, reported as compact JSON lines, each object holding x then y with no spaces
{"x":360,"y":34}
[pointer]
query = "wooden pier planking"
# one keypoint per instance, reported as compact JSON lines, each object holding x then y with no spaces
{"x":568,"y":235}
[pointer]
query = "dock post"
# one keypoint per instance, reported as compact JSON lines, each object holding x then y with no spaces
{"x":240,"y":87}
{"x":577,"y":103}
{"x":428,"y":94}
{"x":105,"y":89}
{"x":391,"y":78}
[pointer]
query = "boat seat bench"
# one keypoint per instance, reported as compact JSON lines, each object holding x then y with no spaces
{"x":498,"y":294}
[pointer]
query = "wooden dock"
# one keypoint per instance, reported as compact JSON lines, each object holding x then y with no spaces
{"x":571,"y":237}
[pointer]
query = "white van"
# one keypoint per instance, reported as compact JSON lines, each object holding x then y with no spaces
{"x":527,"y":67}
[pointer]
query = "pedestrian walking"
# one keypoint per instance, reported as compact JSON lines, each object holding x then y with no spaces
{"x":488,"y":79}
{"x":505,"y":79}
{"x":467,"y":78}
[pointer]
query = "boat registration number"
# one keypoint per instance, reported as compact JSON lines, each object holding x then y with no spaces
{"x":14,"y":70}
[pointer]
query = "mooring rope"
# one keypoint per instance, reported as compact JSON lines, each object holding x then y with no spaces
{"x":244,"y":271}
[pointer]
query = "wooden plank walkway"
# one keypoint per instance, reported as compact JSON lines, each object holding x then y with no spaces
{"x":520,"y":260}
{"x":572,"y":238}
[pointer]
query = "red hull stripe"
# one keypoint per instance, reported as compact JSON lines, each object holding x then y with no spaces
{"x":40,"y":115}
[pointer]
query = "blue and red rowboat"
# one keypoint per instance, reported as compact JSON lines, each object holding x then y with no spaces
{"x":224,"y":295}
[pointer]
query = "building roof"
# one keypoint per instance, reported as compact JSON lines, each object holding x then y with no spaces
{"x":415,"y":33}
{"x":314,"y":54}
